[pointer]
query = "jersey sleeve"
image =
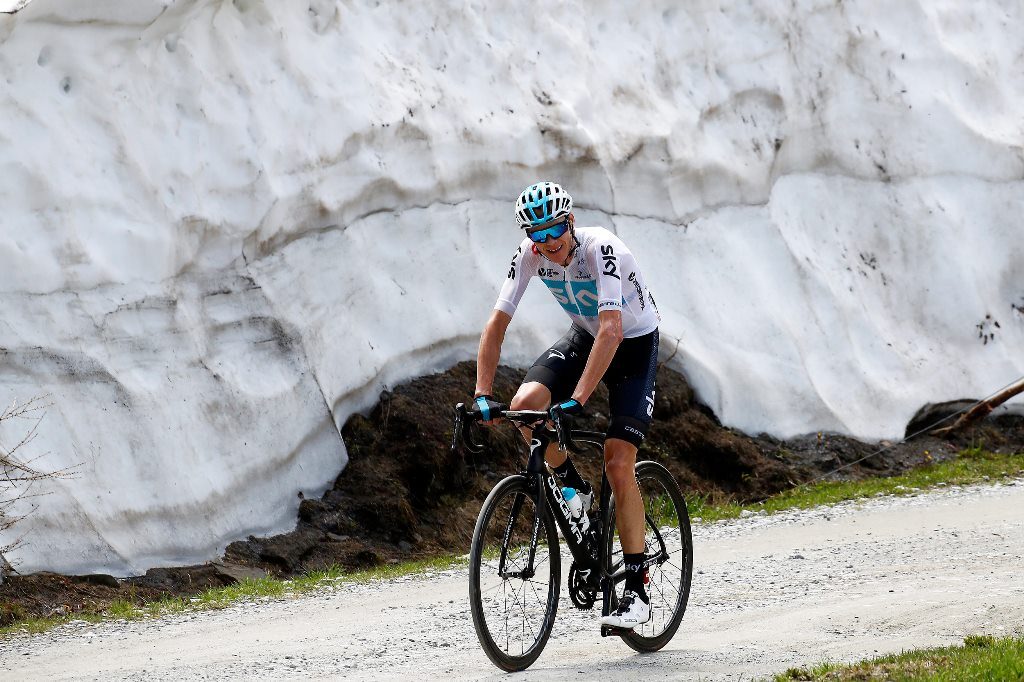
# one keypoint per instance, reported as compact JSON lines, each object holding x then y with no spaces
{"x":516,"y":279}
{"x":607,"y":254}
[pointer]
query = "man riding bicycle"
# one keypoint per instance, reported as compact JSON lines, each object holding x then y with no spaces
{"x":613,"y":337}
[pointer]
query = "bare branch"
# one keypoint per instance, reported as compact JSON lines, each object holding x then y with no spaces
{"x":34,"y":410}
{"x":982,"y":409}
{"x":26,"y":410}
{"x":18,"y":473}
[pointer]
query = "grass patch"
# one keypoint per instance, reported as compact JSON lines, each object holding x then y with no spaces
{"x":246,"y":590}
{"x":981,"y":657}
{"x":970,"y":466}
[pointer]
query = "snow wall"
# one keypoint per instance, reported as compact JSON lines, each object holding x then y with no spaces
{"x":228,"y":225}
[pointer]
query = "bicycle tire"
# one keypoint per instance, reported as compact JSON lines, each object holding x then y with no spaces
{"x":667,"y":608}
{"x":489,"y":592}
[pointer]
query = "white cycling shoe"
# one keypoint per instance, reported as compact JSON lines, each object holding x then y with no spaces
{"x":631,"y":611}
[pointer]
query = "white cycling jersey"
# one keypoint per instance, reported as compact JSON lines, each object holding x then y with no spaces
{"x":602,"y":275}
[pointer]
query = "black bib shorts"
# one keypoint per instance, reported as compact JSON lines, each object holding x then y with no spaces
{"x":630,"y":378}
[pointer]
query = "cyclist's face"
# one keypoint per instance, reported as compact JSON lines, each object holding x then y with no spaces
{"x":557,"y":249}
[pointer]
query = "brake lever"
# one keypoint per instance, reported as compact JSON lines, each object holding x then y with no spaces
{"x":460,"y":413}
{"x":558,"y":417}
{"x":563,"y":427}
{"x":462,"y":432}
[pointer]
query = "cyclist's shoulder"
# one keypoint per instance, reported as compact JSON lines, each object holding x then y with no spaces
{"x":595,"y":238}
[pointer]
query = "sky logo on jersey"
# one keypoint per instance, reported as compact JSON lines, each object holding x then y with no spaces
{"x":576,"y":298}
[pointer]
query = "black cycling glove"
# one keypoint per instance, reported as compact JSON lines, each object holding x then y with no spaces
{"x":487,"y":407}
{"x":570,"y":407}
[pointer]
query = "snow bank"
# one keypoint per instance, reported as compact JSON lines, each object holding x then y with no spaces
{"x":228,"y":224}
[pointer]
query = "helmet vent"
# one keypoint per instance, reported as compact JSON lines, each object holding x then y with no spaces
{"x":541,"y":203}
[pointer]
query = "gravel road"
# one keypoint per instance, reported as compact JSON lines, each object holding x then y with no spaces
{"x":769,"y":592}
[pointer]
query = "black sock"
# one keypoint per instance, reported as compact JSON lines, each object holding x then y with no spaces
{"x":635,"y":572}
{"x":571,"y":478}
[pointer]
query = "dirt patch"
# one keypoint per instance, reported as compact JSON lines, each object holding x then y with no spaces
{"x":404,"y":494}
{"x":43,"y":594}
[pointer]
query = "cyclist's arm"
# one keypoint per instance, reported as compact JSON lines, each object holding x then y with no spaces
{"x":609,"y":336}
{"x":490,"y":351}
{"x":512,"y":289}
{"x":604,"y":261}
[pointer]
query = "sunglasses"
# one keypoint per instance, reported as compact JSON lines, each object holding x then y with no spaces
{"x":555,"y":231}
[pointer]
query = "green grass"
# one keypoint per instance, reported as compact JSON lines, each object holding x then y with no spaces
{"x":971,"y":466}
{"x":247,"y":590}
{"x":980,"y":658}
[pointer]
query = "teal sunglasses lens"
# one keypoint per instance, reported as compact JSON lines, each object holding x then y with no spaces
{"x":555,"y":231}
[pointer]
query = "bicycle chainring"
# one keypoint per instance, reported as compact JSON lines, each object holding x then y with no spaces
{"x":582,"y":592}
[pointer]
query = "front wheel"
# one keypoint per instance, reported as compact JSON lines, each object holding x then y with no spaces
{"x":514,"y":574}
{"x":667,"y":539}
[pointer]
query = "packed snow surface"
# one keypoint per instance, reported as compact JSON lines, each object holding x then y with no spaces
{"x":228,"y":225}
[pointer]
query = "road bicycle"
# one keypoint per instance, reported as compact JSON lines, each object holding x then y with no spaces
{"x":515,"y":564}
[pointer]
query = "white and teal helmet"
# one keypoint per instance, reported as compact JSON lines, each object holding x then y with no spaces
{"x":542,"y":203}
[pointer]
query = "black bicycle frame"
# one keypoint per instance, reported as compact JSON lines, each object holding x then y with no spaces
{"x":588,"y":550}
{"x":548,"y":489}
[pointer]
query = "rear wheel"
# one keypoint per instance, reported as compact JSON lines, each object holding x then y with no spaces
{"x":667,"y":538}
{"x":514,"y":574}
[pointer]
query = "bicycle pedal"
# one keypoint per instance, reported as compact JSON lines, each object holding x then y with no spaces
{"x":610,"y":631}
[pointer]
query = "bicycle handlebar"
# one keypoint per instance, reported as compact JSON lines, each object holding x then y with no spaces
{"x":563,"y":428}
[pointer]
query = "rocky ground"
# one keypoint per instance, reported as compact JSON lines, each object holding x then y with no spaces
{"x":405,"y":495}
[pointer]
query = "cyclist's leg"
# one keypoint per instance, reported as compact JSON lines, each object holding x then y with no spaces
{"x":533,"y":395}
{"x":634,"y":606}
{"x":619,"y":462}
{"x":630,"y":379}
{"x":553,"y":377}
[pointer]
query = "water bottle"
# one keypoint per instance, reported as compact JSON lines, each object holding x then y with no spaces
{"x":576,"y":508}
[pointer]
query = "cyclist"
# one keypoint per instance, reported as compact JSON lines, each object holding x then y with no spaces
{"x":613,"y":337}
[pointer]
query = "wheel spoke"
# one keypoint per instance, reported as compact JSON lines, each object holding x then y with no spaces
{"x":667,"y":538}
{"x":513,"y":614}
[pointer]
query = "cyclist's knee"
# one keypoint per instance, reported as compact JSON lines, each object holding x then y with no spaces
{"x":620,"y":458}
{"x":531,"y":396}
{"x":619,"y":473}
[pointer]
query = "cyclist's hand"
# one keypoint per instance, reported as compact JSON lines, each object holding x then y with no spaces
{"x":569,"y":407}
{"x":486,"y":408}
